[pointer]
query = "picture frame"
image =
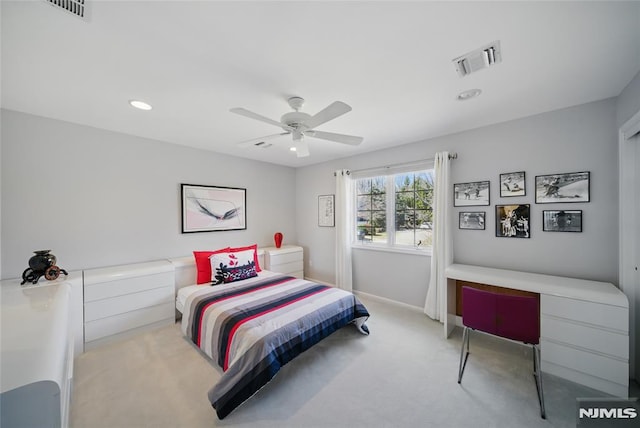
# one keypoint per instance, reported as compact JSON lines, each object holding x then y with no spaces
{"x":563,"y":188}
{"x":562,"y":221}
{"x":512,"y":184}
{"x":513,"y":221}
{"x":326,"y":211}
{"x":471,"y":194}
{"x":471,"y":220}
{"x":213,"y":208}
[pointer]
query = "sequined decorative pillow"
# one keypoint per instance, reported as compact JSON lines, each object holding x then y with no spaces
{"x":232,"y":266}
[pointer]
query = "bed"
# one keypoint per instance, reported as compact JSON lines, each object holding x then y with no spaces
{"x":251,"y":328}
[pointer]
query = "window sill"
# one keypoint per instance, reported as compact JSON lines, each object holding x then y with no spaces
{"x":372,"y":247}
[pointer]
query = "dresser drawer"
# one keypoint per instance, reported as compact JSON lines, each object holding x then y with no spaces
{"x":104,"y":327}
{"x":607,"y":316}
{"x":104,"y":290}
{"x":595,"y":365}
{"x":284,"y":258}
{"x":116,"y":305}
{"x":288,"y":268}
{"x":585,"y":336}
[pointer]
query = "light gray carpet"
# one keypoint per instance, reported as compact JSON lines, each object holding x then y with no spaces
{"x":403,"y":375}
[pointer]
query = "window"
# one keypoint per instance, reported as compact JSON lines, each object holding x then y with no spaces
{"x":395,"y":210}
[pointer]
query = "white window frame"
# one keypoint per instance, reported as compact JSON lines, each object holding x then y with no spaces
{"x":390,"y":200}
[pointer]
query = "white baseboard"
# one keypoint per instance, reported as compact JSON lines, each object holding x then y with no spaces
{"x":319,"y":282}
{"x":372,"y":296}
{"x":392,"y":302}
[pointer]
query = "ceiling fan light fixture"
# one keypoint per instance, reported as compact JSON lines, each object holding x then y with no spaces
{"x":141,"y":105}
{"x":297,"y":135}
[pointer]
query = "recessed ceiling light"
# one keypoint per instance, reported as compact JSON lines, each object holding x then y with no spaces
{"x":140,"y":105}
{"x":467,"y":95}
{"x":293,"y":148}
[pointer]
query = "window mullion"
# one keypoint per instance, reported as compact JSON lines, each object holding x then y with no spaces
{"x":391,"y":211}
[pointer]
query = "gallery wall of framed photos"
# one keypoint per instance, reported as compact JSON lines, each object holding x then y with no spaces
{"x":513,"y":218}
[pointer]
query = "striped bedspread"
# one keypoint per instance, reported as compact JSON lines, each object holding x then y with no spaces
{"x":251,"y":328}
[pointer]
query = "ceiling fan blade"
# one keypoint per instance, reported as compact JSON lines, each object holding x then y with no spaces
{"x":302,"y":148}
{"x":253,"y":141}
{"x":335,"y":109}
{"x":338,"y":138}
{"x":252,"y":115}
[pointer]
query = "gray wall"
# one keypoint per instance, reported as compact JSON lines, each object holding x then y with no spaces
{"x":582,"y":138}
{"x":99,"y":198}
{"x":1,"y":113}
{"x":628,"y":103}
{"x":373,"y":271}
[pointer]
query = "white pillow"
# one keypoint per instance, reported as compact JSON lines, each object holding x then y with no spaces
{"x":232,"y":266}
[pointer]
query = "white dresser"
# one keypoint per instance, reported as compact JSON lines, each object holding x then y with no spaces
{"x":40,"y":327}
{"x":120,"y":301}
{"x":584,"y":325}
{"x":288,"y":259}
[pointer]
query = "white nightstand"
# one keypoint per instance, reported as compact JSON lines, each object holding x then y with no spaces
{"x":288,"y":259}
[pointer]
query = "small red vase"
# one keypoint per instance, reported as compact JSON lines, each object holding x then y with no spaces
{"x":278,"y":238}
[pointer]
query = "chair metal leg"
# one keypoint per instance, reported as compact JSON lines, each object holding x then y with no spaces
{"x":537,"y":377}
{"x":463,"y":364}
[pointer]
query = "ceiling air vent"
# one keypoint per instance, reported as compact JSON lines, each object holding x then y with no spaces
{"x":74,"y":7}
{"x":476,"y":60}
{"x":263,"y":145}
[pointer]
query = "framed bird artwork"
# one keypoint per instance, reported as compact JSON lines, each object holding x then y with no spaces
{"x":213,"y":208}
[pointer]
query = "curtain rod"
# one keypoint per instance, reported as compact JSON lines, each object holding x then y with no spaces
{"x":452,"y":156}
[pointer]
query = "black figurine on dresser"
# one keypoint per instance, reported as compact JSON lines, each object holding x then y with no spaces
{"x":42,"y":264}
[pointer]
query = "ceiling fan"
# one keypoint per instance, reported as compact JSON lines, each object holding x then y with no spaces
{"x":300,"y":125}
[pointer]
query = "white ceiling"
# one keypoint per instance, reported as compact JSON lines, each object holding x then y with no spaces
{"x":391,"y":61}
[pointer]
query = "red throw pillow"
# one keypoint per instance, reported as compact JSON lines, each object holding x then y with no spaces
{"x":253,"y":247}
{"x":203,"y":264}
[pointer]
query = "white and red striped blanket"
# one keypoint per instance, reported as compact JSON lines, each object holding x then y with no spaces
{"x":253,"y":327}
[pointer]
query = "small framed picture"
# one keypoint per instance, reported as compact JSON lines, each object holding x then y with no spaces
{"x":469,"y":194}
{"x":562,"y":221}
{"x":472,"y":220}
{"x":326,"y":211}
{"x":567,"y":187}
{"x":512,"y":184}
{"x":513,"y":221}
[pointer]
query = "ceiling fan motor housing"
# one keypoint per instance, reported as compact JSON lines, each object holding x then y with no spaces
{"x":294,"y":119}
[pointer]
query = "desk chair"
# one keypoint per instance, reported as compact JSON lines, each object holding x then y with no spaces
{"x":512,"y":317}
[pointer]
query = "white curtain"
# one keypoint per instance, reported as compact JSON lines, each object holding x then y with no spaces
{"x":344,"y":229}
{"x":442,"y":253}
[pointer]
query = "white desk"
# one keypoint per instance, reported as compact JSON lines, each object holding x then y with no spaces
{"x":37,"y":350}
{"x":584,"y":325}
